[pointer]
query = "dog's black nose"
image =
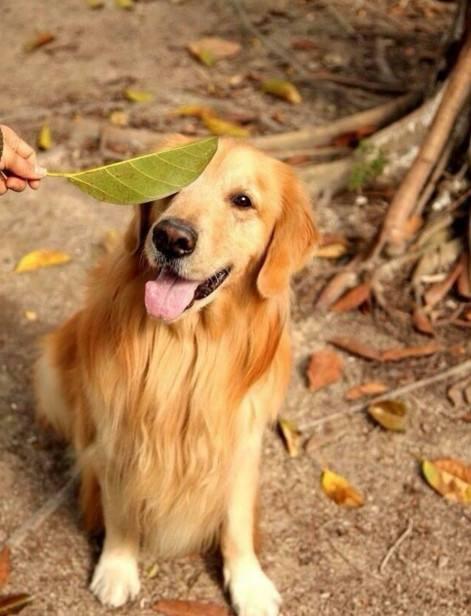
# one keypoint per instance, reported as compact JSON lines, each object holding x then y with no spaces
{"x":174,"y":238}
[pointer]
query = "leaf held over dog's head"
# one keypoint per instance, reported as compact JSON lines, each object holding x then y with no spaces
{"x":148,"y":177}
{"x":339,"y":490}
{"x":325,"y":367}
{"x":450,"y":478}
{"x":176,"y":607}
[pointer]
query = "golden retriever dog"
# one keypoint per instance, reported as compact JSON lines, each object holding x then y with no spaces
{"x":165,"y":381}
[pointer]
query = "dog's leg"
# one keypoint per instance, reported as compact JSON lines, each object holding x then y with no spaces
{"x":116,"y":576}
{"x":252,"y":592}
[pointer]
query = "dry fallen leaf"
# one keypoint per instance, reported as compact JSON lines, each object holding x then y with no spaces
{"x":355,"y":347}
{"x":390,"y":414}
{"x":325,"y":367}
{"x":282,"y":89}
{"x":373,"y":388}
{"x":210,"y":49}
{"x":45,"y":138}
{"x":119,"y":118}
{"x":127,"y":5}
{"x":353,"y":299}
{"x":450,"y":478}
{"x":439,"y":290}
{"x":14,"y":604}
{"x":138,"y":96}
{"x":291,"y":436}
{"x":397,"y":354}
{"x":41,"y":258}
{"x":110,"y":240}
{"x":31,"y":315}
{"x":329,"y":251}
{"x":194,"y":111}
{"x":339,"y":490}
{"x":4,"y":565}
{"x":189,"y":608}
{"x":40,"y":40}
{"x":95,"y":4}
{"x":421,"y":321}
{"x":218,"y":126}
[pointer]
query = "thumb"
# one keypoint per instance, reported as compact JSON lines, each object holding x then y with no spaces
{"x":15,"y":164}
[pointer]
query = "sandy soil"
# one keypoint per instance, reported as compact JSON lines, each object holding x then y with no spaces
{"x":325,"y":559}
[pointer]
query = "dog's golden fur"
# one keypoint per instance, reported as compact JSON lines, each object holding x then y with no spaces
{"x":163,"y":417}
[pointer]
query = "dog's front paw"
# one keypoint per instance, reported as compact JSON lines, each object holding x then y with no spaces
{"x":252,"y":592}
{"x":116,"y":579}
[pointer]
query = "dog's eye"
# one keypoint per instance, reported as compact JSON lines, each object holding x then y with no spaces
{"x":241,"y":200}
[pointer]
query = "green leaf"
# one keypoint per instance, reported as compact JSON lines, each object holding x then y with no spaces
{"x":148,"y":177}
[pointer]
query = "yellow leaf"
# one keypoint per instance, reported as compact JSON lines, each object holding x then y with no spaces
{"x":210,"y":49}
{"x":391,"y":414}
{"x":331,"y":251}
{"x":339,"y":490}
{"x":291,"y":436}
{"x":45,"y":138}
{"x":95,"y":4}
{"x":138,"y":96}
{"x":110,"y":240}
{"x":282,"y":89}
{"x":41,"y":258}
{"x":127,"y":5}
{"x":217,"y":126}
{"x":31,"y":315}
{"x":450,"y":478}
{"x":119,"y":118}
{"x":195,"y":111}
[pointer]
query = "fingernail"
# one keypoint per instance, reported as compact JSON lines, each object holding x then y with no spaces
{"x":41,"y":171}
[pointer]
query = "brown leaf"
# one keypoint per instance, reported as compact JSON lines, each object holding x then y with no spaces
{"x":397,"y":354}
{"x":208,"y":50}
{"x":353,"y":298}
{"x":328,"y":251}
{"x":466,"y":417}
{"x":355,"y":347}
{"x":303,"y":44}
{"x":336,"y":288}
{"x":189,"y":608}
{"x":372,"y":388}
{"x":339,"y":490}
{"x":463,"y":283}
{"x":40,"y":40}
{"x":438,"y":291}
{"x":325,"y":367}
{"x":421,"y":321}
{"x":14,"y":604}
{"x":450,"y":478}
{"x":291,"y":436}
{"x":4,"y":565}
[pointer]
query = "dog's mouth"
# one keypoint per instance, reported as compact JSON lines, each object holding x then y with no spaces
{"x":169,"y":295}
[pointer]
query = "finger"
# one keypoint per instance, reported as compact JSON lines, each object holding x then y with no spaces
{"x":19,"y":166}
{"x":34,"y":184}
{"x":16,"y":184}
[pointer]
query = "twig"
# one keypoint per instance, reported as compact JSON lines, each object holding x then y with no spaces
{"x":393,"y":393}
{"x":43,"y":513}
{"x":399,"y":541}
{"x":456,"y":94}
{"x":323,"y":135}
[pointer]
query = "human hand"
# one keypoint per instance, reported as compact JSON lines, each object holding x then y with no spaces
{"x":18,"y":166}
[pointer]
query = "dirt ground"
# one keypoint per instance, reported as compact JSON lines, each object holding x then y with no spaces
{"x":324,"y":559}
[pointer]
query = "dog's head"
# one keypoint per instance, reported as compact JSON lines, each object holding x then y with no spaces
{"x":247,"y":215}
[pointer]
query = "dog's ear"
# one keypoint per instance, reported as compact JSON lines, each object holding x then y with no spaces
{"x":139,"y":226}
{"x":293,"y":239}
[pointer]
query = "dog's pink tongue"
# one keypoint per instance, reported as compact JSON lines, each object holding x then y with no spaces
{"x":168,"y":295}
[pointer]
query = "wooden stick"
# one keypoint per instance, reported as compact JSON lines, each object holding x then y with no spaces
{"x":323,"y":135}
{"x":393,"y":393}
{"x":399,"y":541}
{"x":456,"y":94}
